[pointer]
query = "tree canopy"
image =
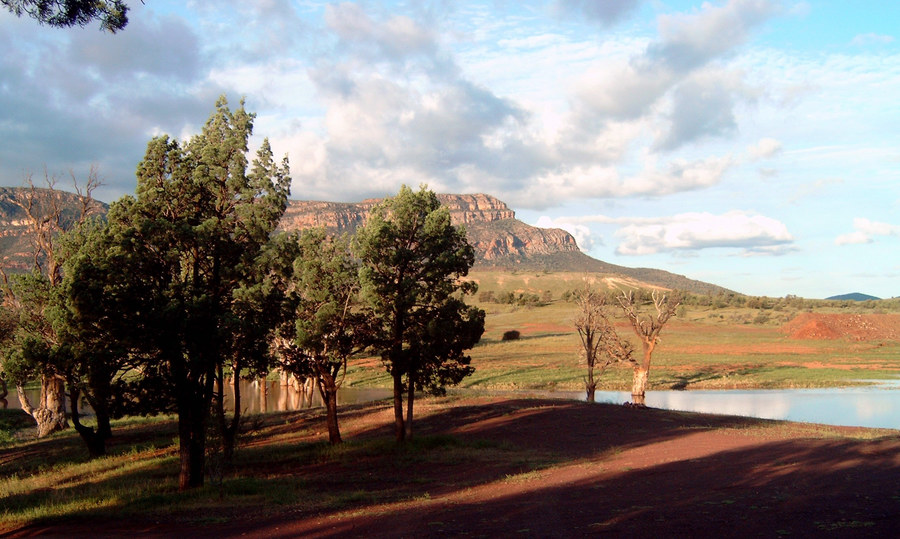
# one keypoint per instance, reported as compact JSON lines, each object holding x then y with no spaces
{"x":413,"y":262}
{"x":193,"y":242}
{"x":112,"y":14}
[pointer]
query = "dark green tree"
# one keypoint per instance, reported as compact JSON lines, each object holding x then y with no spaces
{"x":328,"y":325}
{"x":112,"y":14}
{"x":413,"y":264}
{"x":88,"y":318}
{"x":260,"y":304}
{"x":192,"y":239}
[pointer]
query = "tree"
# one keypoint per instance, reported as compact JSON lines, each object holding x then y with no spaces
{"x":598,"y":335}
{"x":413,"y":262}
{"x":35,"y":349}
{"x":328,"y":325}
{"x":260,"y":306}
{"x":112,"y":14}
{"x":191,"y":240}
{"x":647,"y":327}
{"x":88,"y":318}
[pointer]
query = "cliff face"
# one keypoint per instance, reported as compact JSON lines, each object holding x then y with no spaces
{"x":500,"y":240}
{"x":491,"y":226}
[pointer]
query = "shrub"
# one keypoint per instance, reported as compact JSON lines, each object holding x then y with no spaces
{"x":511,"y":335}
{"x":486,"y":296}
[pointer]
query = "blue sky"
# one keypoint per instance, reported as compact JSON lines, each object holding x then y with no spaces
{"x":748,"y":143}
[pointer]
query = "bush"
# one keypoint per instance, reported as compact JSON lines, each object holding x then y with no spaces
{"x":511,"y":335}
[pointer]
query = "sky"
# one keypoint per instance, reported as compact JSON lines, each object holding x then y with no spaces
{"x":752,"y":144}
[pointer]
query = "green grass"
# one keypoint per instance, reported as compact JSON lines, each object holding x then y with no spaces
{"x":705,"y":348}
{"x":51,"y":480}
{"x":11,"y":422}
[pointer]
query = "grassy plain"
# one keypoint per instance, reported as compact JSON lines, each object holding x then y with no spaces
{"x":714,"y":346}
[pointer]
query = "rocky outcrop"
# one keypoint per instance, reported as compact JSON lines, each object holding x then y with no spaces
{"x":492,"y":227}
{"x":343,"y":217}
{"x":500,"y":240}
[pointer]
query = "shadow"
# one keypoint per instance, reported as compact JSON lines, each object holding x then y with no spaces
{"x":679,"y":382}
{"x":550,"y":468}
{"x":787,"y":488}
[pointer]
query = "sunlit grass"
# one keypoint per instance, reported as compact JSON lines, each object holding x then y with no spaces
{"x":705,"y":348}
{"x":140,"y":479}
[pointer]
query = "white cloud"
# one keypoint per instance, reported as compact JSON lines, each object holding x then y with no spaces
{"x":605,"y":181}
{"x":693,"y":231}
{"x":691,"y":40}
{"x":865,"y":230}
{"x":582,"y":234}
{"x":863,"y":40}
{"x":853,"y":238}
{"x":764,"y":149}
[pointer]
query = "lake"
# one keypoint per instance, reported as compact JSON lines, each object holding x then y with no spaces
{"x":864,"y":406}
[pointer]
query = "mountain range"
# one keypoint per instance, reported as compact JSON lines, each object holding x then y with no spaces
{"x":501,"y":241}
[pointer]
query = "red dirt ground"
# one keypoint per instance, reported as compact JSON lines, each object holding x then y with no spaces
{"x":856,"y":327}
{"x":604,"y":470}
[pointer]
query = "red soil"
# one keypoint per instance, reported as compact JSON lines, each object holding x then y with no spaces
{"x":857,"y":327}
{"x":595,"y":470}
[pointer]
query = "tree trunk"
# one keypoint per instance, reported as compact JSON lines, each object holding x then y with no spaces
{"x":409,"y":404}
{"x":590,"y":386}
{"x":228,"y":428}
{"x":95,"y":440}
{"x":641,"y":376}
{"x":50,"y":414}
{"x":399,"y":430}
{"x":263,"y":395}
{"x":329,"y":395}
{"x":191,"y":448}
{"x":3,"y":393}
{"x":193,"y":408}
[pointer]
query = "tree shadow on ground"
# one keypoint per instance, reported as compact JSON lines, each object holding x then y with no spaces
{"x":786,"y":488}
{"x":549,"y":468}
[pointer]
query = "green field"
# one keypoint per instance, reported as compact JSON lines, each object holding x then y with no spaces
{"x":723,"y":345}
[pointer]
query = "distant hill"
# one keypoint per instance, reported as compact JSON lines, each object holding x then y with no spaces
{"x":501,"y":241}
{"x":855,"y":296}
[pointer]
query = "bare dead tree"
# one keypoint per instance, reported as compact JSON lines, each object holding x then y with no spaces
{"x":601,"y":345}
{"x":45,"y":215}
{"x":647,"y":327}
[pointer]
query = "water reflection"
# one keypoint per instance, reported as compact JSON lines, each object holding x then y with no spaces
{"x":867,"y":406}
{"x":877,"y":407}
{"x":286,"y":396}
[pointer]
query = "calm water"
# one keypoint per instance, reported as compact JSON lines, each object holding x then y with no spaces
{"x":869,"y":406}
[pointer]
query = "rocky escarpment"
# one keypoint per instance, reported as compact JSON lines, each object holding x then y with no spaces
{"x":500,"y":240}
{"x":492,"y":228}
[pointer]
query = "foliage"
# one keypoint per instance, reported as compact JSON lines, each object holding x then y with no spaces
{"x":112,"y":14}
{"x":327,"y":325}
{"x":36,"y":345}
{"x":192,"y":242}
{"x":413,"y":260}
